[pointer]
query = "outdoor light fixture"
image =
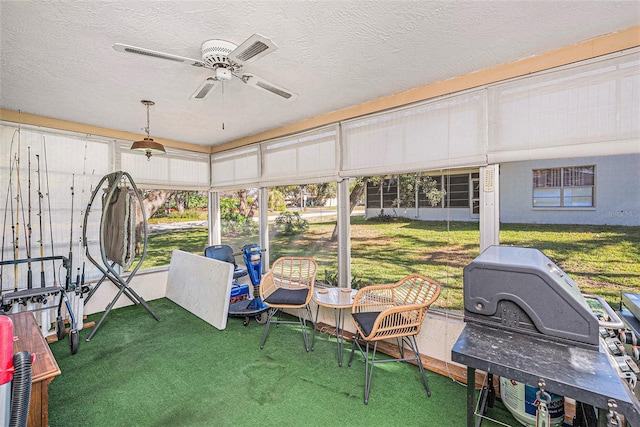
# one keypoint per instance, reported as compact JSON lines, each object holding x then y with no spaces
{"x":148,"y":145}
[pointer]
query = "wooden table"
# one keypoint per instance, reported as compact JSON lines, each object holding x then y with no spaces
{"x":43,"y":370}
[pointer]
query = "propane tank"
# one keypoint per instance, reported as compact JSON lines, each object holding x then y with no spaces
{"x":6,"y":368}
{"x":520,"y":400}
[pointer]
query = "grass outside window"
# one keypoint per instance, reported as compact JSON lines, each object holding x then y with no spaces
{"x":603,"y":260}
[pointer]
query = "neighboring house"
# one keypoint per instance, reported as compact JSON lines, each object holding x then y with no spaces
{"x":588,"y":190}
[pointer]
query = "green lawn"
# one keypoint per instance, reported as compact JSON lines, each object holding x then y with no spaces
{"x":602,"y":259}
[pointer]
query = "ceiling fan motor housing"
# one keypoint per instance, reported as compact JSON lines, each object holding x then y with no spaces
{"x":214,"y":52}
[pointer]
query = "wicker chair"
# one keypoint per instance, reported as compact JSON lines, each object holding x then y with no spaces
{"x":289,"y":285}
{"x":397,"y":311}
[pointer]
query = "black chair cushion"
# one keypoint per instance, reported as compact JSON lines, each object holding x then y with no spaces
{"x":288,"y":296}
{"x":365,"y":320}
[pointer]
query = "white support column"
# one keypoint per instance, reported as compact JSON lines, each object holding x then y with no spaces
{"x":263,"y":210}
{"x":344,"y":234}
{"x":214,"y":218}
{"x":489,"y":206}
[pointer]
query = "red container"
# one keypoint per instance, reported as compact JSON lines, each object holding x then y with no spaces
{"x":6,"y":349}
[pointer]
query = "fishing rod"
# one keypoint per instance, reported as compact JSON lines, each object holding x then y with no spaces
{"x":45,"y":322}
{"x":46,"y":175}
{"x":16,"y":248}
{"x":29,"y":230}
{"x":68,"y":278}
{"x":80,"y":311}
{"x":79,"y":297}
{"x":8,"y":206}
{"x":41,"y":241}
{"x":4,"y":221}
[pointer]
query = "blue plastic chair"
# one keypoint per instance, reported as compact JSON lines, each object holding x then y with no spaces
{"x":225,"y":253}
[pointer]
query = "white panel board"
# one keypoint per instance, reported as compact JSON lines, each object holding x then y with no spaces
{"x":201,"y":286}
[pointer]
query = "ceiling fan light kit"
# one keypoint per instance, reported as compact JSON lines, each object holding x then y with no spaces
{"x":226,"y":60}
{"x":148,"y":145}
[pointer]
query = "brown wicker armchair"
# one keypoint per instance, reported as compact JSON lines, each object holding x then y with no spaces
{"x":289,"y":285}
{"x":392,"y":311}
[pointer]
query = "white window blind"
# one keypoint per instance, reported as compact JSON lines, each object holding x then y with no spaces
{"x":236,"y":168}
{"x":175,"y":170}
{"x":302,"y":158}
{"x":58,"y":163}
{"x":585,"y":110}
{"x":446,"y":132}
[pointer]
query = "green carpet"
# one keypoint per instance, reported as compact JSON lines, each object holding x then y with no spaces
{"x":182,"y":371}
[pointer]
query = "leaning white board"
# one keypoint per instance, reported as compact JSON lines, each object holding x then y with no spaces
{"x":201,"y":286}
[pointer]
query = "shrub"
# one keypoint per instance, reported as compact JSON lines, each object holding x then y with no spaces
{"x":382,"y":217}
{"x":291,"y":223}
{"x":331,"y":279}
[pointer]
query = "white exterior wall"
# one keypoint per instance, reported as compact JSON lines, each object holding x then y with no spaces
{"x":426,"y":214}
{"x":617,"y":192}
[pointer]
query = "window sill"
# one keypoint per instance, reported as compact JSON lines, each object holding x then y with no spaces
{"x":591,"y":208}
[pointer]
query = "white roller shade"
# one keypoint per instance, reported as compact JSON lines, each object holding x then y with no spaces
{"x":447,"y":132}
{"x":177,"y":169}
{"x":587,"y":110}
{"x":302,"y":158}
{"x":236,"y":168}
{"x":59,"y":161}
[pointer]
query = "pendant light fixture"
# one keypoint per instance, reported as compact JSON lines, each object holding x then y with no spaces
{"x":148,"y":145}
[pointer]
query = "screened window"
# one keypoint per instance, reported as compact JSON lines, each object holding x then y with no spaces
{"x":457,"y":191}
{"x":383,"y":194}
{"x":373,"y":196}
{"x":566,"y":187}
{"x":389,"y":192}
{"x":176,"y":219}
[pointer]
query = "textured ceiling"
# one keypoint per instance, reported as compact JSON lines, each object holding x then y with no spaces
{"x":57,"y":58}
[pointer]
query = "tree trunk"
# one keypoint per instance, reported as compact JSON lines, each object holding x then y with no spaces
{"x":252,"y":208}
{"x":181,"y":201}
{"x":243,"y":206}
{"x":154,"y":201}
{"x":353,"y":201}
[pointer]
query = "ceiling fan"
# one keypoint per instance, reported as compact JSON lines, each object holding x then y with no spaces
{"x":226,"y":60}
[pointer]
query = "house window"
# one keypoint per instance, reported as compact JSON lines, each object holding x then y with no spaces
{"x":457,"y":191}
{"x":389,"y":192}
{"x":383,"y":194}
{"x":568,"y":187}
{"x":373,"y":195}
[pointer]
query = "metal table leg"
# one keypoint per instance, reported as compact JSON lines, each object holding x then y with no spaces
{"x":339,"y":319}
{"x":315,"y":325}
{"x":471,"y":395}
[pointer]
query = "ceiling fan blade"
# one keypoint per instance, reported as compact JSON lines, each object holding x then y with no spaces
{"x":260,"y":83}
{"x":205,"y":88}
{"x":155,"y":54}
{"x":255,"y":47}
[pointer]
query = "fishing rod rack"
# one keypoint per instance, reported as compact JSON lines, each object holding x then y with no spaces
{"x":22,"y":295}
{"x":40,"y":295}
